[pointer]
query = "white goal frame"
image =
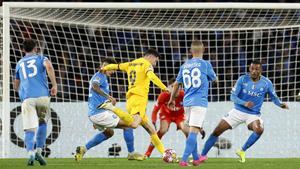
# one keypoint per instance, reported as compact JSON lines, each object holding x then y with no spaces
{"x":6,"y":35}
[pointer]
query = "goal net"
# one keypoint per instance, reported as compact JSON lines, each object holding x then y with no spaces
{"x":77,"y":37}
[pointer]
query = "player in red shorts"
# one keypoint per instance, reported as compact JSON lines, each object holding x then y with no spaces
{"x":167,"y":116}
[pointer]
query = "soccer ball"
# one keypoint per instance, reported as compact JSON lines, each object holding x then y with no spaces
{"x":169,"y":156}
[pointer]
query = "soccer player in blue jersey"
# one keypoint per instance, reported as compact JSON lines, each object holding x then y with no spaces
{"x":248,"y":96}
{"x":195,"y":75}
{"x":32,"y":84}
{"x":102,"y":119}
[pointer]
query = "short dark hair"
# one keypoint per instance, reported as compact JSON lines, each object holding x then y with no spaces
{"x":152,"y":51}
{"x":109,"y":61}
{"x":256,"y":62}
{"x":28,"y":45}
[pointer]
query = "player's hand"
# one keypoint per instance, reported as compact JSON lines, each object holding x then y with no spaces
{"x":171,"y":104}
{"x":284,"y":106}
{"x":202,"y":132}
{"x":113,"y":100}
{"x":249,"y":104}
{"x":53,"y":90}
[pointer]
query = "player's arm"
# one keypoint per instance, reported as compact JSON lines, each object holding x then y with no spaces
{"x":17,"y":79}
{"x":275,"y":99}
{"x":98,"y":90}
{"x":234,"y":94}
{"x":16,"y":84}
{"x":157,"y":106}
{"x":212,"y":75}
{"x":179,"y":79}
{"x":121,"y":66}
{"x":51,"y":74}
{"x":151,"y":75}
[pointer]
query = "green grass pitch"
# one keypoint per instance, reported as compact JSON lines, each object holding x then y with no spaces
{"x":154,"y":163}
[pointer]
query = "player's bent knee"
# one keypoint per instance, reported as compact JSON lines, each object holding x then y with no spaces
{"x":259,"y":130}
{"x":108,"y":133}
{"x":134,"y":125}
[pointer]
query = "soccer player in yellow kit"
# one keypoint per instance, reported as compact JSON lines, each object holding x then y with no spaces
{"x":140,"y":73}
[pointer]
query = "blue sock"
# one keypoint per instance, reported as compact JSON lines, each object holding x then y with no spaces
{"x":97,"y":139}
{"x":29,"y":140}
{"x":41,"y":135}
{"x":195,"y":153}
{"x":251,"y":140}
{"x":129,"y":138}
{"x":190,"y":143}
{"x":208,"y":144}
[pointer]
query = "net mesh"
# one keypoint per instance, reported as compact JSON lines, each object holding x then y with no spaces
{"x":77,"y":40}
{"x":166,"y":19}
{"x":76,"y":51}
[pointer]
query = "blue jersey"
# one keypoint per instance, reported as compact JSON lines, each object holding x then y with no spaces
{"x":195,"y":75}
{"x":31,"y":72}
{"x":94,"y":98}
{"x":246,"y":90}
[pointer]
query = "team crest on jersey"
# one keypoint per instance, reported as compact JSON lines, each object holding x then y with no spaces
{"x":244,"y":91}
{"x":114,"y":116}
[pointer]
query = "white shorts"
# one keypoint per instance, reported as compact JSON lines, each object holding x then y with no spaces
{"x":236,"y":117}
{"x":195,"y":115}
{"x":106,"y":119}
{"x":35,"y":110}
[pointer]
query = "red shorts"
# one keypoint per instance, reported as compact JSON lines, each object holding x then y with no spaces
{"x":177,"y":119}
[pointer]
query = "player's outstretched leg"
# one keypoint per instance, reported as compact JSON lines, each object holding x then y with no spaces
{"x":97,"y":139}
{"x":126,"y":117}
{"x":222,"y":126}
{"x":29,"y":143}
{"x":129,"y":138}
{"x":40,"y":142}
{"x":153,"y":135}
{"x":164,"y":127}
{"x":257,"y":129}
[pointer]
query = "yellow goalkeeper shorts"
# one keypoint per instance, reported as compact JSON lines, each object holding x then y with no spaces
{"x":137,"y":105}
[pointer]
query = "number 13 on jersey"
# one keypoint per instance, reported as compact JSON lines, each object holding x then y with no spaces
{"x":191,"y":78}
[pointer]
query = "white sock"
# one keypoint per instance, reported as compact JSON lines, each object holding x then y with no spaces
{"x":39,"y":150}
{"x":31,"y":153}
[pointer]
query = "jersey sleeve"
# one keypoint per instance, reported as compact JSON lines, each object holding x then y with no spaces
{"x":210,"y":72}
{"x":121,"y":66}
{"x":124,"y":66}
{"x":272,"y":94}
{"x":236,"y":90}
{"x":44,"y":58}
{"x":148,"y":68}
{"x":98,"y":80}
{"x":160,"y":101}
{"x":179,"y":77}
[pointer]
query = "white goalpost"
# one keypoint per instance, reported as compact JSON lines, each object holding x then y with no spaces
{"x":76,"y":37}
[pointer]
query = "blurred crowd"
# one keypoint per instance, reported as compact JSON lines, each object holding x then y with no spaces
{"x":77,"y":51}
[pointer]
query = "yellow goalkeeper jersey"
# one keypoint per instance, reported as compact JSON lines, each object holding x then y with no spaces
{"x":139,"y":73}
